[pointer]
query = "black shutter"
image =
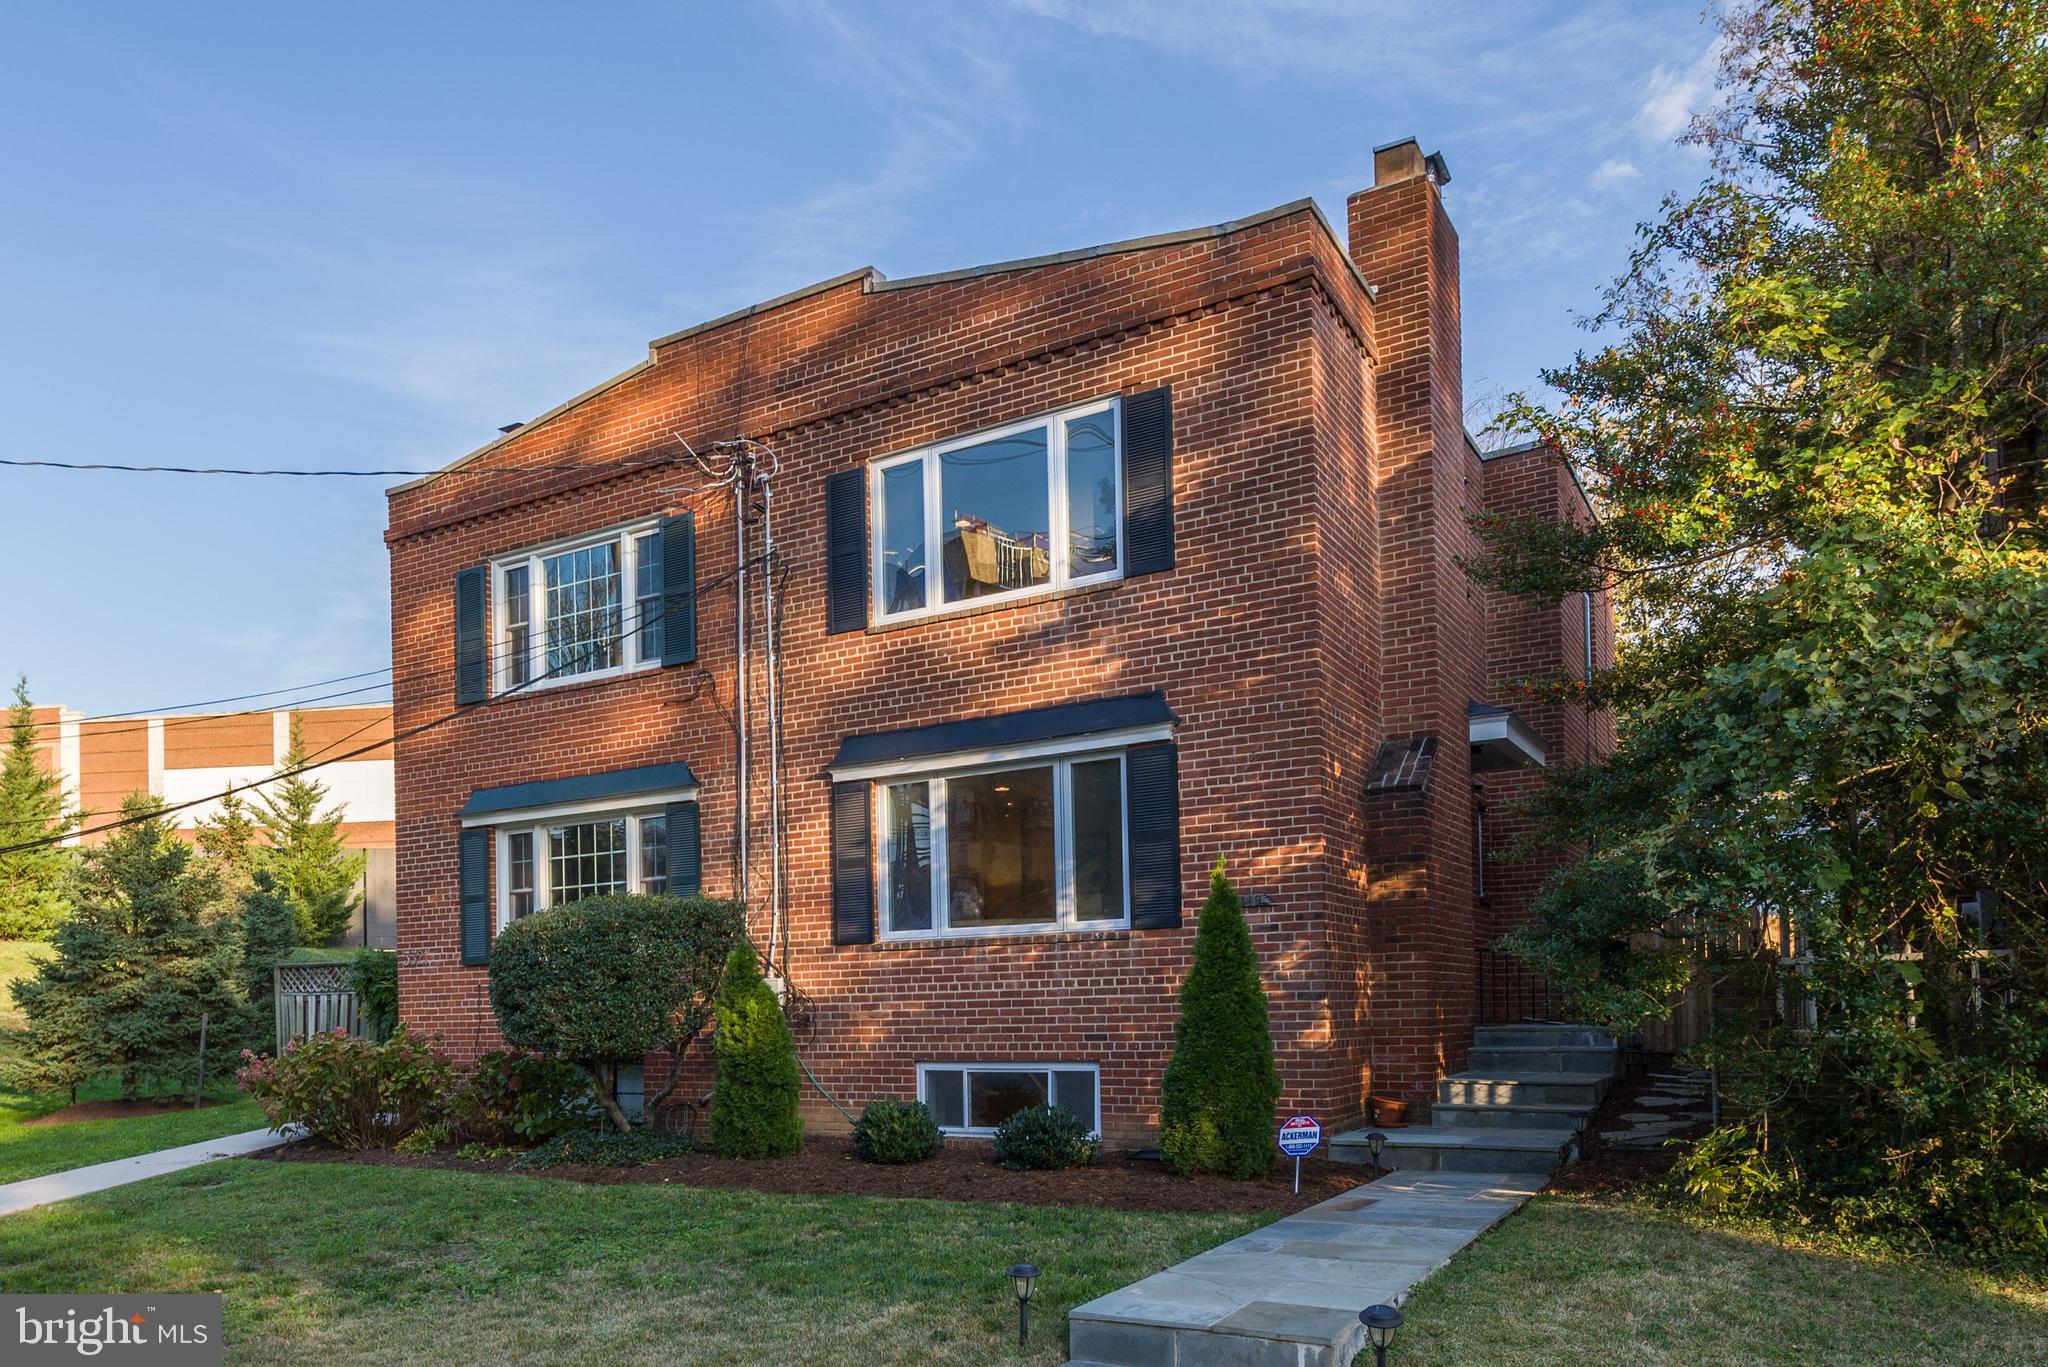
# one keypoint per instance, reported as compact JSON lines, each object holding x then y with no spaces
{"x":685,"y":850}
{"x":846,"y":551}
{"x":474,"y":880}
{"x":853,"y":866}
{"x":472,"y":673}
{"x":1148,"y":481}
{"x":679,"y":589}
{"x":1152,"y":785}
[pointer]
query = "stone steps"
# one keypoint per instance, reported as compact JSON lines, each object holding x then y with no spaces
{"x":1539,"y":1089}
{"x":1511,"y":1115}
{"x":1549,"y":1036}
{"x":1439,"y":1148}
{"x":1516,"y":1059}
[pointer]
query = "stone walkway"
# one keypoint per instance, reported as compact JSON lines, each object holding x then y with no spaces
{"x":1289,"y":1294}
{"x":1672,"y":1103}
{"x":119,"y":1172}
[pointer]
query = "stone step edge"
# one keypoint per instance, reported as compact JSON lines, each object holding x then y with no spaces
{"x":1493,"y":1075}
{"x":1565,"y":1108}
{"x":1429,"y":1136}
{"x":1335,"y":1340}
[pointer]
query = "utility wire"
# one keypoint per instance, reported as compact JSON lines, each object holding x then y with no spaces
{"x":169,"y":713}
{"x":111,"y":468}
{"x":407,"y":734}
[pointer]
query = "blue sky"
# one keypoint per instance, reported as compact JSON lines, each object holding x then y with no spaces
{"x":367,"y":236}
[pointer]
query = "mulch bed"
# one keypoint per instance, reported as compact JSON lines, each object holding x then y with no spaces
{"x":114,"y":1110}
{"x":963,"y":1172}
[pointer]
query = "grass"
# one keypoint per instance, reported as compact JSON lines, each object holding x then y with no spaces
{"x":1619,"y":1281}
{"x":34,"y":1150}
{"x":347,"y":1264}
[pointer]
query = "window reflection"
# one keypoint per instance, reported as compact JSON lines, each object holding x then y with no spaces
{"x":903,"y":576}
{"x":999,"y":848}
{"x":995,"y":516}
{"x":1091,"y":494}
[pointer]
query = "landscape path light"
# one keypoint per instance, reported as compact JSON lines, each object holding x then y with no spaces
{"x":1024,"y":1277}
{"x":1380,"y":1322}
{"x":1375,"y":1141}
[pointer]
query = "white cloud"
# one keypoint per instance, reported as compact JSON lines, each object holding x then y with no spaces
{"x":1671,"y":96}
{"x":1614,"y":171}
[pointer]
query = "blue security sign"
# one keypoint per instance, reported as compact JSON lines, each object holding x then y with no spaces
{"x":1300,"y":1134}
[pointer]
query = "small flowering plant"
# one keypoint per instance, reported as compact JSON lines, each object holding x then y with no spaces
{"x":350,"y":1092}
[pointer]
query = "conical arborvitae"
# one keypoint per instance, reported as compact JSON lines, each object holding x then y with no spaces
{"x":1221,"y":1087}
{"x":753,"y":1103}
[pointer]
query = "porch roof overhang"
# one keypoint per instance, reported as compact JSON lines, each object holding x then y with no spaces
{"x":1006,"y":735}
{"x":1501,"y":740}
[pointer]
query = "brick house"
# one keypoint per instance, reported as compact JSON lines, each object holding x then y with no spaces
{"x":1092,"y":568}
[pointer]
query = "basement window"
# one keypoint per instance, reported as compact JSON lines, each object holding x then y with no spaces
{"x":974,"y":1098}
{"x":576,"y":609}
{"x":999,"y":514}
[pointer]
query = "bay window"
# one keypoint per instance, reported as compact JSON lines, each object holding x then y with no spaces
{"x":1011,"y":511}
{"x":1037,"y":845}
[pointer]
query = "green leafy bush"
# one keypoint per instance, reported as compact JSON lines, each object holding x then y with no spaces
{"x":433,"y":1135}
{"x":373,"y":977}
{"x":607,"y":1149}
{"x":891,"y":1131}
{"x":350,"y":1092}
{"x":512,"y":1095}
{"x":1220,"y":1088}
{"x":608,"y":980}
{"x":477,"y":1152}
{"x":753,"y":1103}
{"x":1044,"y":1137}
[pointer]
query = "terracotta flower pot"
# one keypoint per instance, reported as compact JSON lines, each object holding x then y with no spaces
{"x":1388,"y":1113}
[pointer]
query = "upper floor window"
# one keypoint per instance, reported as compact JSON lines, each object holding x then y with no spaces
{"x":578,"y":608}
{"x":1032,"y":506}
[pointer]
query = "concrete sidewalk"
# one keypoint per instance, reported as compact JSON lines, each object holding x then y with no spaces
{"x":119,"y":1172}
{"x":1289,"y":1295}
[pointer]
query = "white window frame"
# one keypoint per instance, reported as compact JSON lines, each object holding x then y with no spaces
{"x":1060,"y":575}
{"x":1011,"y":1066}
{"x":1064,"y":917}
{"x":534,"y":561}
{"x":536,"y":821}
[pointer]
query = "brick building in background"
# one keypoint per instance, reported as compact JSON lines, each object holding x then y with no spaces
{"x":185,"y":756}
{"x":1094,"y":567}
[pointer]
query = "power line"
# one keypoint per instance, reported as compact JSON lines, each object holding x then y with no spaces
{"x":112,"y":468}
{"x":160,"y":812}
{"x":168,"y":713}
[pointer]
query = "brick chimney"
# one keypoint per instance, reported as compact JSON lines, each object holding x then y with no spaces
{"x":1432,"y":636}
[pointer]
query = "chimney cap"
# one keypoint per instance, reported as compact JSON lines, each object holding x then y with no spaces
{"x":1402,"y":160}
{"x":1439,"y":170}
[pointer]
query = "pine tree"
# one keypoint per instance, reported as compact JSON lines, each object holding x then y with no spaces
{"x":270,"y":932}
{"x":31,"y":808}
{"x":228,"y":839}
{"x":313,"y":869}
{"x":139,"y":960}
{"x":1220,"y":1088}
{"x":753,"y":1101}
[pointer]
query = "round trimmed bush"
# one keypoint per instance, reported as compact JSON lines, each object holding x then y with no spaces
{"x":891,"y":1131}
{"x":1044,"y":1137}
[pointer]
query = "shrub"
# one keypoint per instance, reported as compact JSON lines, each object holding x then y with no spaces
{"x":510,"y":1095}
{"x":1044,"y":1137}
{"x":610,"y":979}
{"x":753,"y":1104}
{"x":373,"y":977}
{"x":890,"y":1131}
{"x":478,"y":1153}
{"x":607,"y":1149}
{"x":433,"y":1135}
{"x":350,"y":1092}
{"x":1220,"y":1087}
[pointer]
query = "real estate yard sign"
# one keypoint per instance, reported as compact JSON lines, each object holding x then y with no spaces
{"x":1299,"y":1135}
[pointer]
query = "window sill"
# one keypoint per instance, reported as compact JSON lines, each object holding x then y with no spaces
{"x":1016,"y":939}
{"x":573,"y":683}
{"x":982,"y":609}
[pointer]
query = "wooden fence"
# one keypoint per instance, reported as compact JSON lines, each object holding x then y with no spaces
{"x":314,"y":997}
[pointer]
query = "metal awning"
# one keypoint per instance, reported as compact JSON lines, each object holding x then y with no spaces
{"x":1501,"y":740}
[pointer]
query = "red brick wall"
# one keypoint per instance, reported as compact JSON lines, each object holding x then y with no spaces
{"x":1315,"y":609}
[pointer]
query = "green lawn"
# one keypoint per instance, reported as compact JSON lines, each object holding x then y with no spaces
{"x":344,"y":1264}
{"x":33,"y":1150}
{"x":1577,"y":1281}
